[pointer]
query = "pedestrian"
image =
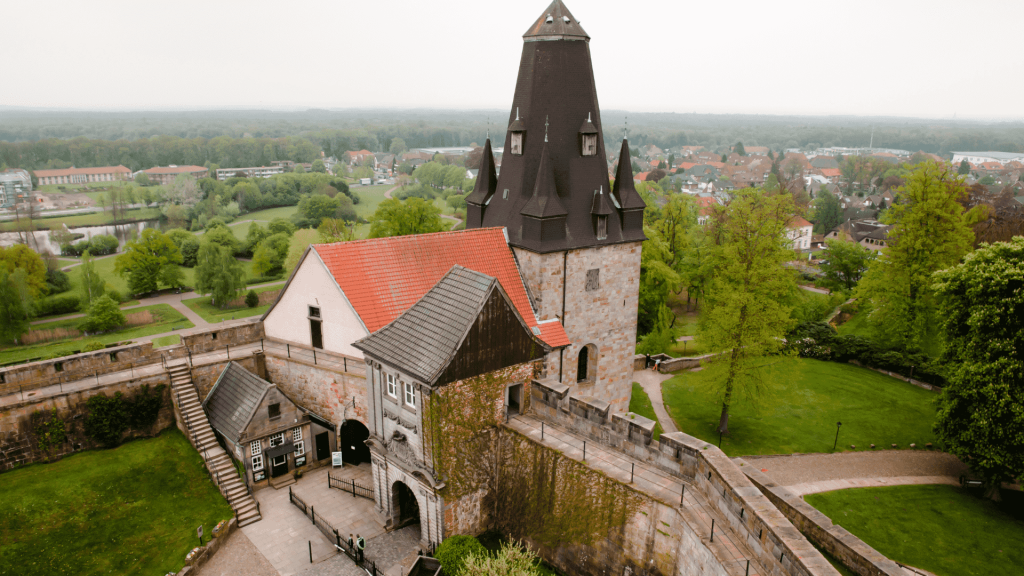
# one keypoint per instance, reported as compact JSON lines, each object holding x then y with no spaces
{"x":360,"y":546}
{"x":351,"y":541}
{"x":657,"y":363}
{"x":647,"y":363}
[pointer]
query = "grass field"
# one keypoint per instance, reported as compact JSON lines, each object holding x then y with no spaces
{"x":640,"y":403}
{"x":211,"y":313}
{"x":369,"y":198}
{"x":105,"y":267}
{"x":800,"y":415}
{"x":92,"y":219}
{"x":64,"y":262}
{"x":130,"y":510}
{"x":164,"y":341}
{"x":270,"y":213}
{"x":942,"y":529}
{"x":167,"y":319}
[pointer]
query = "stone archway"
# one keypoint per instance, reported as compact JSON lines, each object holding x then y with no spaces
{"x":352,"y":437}
{"x":405,"y":509}
{"x":586,"y":365}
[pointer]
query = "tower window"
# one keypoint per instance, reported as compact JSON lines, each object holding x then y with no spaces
{"x":593,"y":279}
{"x":517,"y":143}
{"x":602,"y":227}
{"x":581,"y":365}
{"x":590,"y":144}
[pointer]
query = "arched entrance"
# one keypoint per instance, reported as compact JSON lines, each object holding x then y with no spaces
{"x":405,"y":510}
{"x":352,"y":442}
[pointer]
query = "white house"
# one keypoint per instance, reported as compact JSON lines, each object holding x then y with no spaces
{"x":799,"y":231}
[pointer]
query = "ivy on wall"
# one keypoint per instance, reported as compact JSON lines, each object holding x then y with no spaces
{"x":108,"y":417}
{"x":531,"y":491}
{"x":49,"y":430}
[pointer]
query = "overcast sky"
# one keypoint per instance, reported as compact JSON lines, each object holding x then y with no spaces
{"x":932,"y":58}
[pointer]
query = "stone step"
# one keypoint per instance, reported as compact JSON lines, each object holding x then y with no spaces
{"x":245,"y":505}
{"x":247,"y":519}
{"x":282,"y":481}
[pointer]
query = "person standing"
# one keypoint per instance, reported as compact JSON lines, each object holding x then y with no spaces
{"x":360,"y":546}
{"x":351,"y":542}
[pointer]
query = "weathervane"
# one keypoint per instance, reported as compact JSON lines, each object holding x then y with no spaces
{"x":625,"y":129}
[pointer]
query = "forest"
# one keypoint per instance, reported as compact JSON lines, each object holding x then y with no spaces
{"x":49,"y":139}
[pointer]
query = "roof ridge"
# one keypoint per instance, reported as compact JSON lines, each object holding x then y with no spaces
{"x":410,"y":236}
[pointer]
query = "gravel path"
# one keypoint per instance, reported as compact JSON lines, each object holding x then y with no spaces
{"x":808,"y":468}
{"x":238,"y":557}
{"x":651,"y":381}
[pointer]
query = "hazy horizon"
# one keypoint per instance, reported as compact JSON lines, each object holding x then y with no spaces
{"x":788,"y":58}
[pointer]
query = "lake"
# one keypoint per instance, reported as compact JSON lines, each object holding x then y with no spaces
{"x":40,"y":239}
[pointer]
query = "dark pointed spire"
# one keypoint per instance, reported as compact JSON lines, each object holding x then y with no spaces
{"x":545,"y":203}
{"x":624,"y":190}
{"x":486,"y":178}
{"x":601,"y":206}
{"x":556,"y":23}
{"x":588,"y":126}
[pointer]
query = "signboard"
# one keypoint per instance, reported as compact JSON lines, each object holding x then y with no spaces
{"x":300,"y":461}
{"x":199,"y":531}
{"x":336,"y":459}
{"x":259,"y":476}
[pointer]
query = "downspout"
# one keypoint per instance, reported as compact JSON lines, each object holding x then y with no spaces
{"x":561,"y":351}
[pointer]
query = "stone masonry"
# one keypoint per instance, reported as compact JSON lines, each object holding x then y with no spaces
{"x":605,"y":316}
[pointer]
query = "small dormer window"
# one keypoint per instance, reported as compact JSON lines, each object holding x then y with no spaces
{"x":590,"y":144}
{"x":602,"y":227}
{"x":517,"y":143}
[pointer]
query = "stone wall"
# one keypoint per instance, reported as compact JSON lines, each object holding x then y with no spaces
{"x":19,"y":444}
{"x":604,"y":316}
{"x":836,"y":540}
{"x":235,"y":335}
{"x":335,"y":391}
{"x":779,"y":547}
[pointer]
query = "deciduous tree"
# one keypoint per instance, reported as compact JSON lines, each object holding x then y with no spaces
{"x":21,"y":257}
{"x":845,"y":263}
{"x":104,"y":315}
{"x":930,"y":233}
{"x":402,"y":217}
{"x":15,"y":304}
{"x":151,"y":260}
{"x":219,"y":274}
{"x":93,"y":285}
{"x":828,"y":213}
{"x":981,"y":410}
{"x":742,"y":317}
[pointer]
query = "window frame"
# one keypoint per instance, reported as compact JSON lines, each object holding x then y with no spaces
{"x":590,"y":150}
{"x":279,"y":437}
{"x":409,"y":394}
{"x":300,"y":449}
{"x":392,"y":386}
{"x":297,"y":434}
{"x":257,"y":462}
{"x":255,"y":448}
{"x":270,"y":411}
{"x":602,"y":227}
{"x":516,"y":144}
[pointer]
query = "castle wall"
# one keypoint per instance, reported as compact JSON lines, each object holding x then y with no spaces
{"x":603,"y":314}
{"x":336,"y":391}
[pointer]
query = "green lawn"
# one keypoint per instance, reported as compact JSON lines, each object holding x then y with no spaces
{"x":800,"y":414}
{"x":165,"y":341}
{"x":270,"y":213}
{"x":130,"y":510}
{"x":369,"y":198}
{"x":64,"y":262}
{"x":105,"y":268}
{"x":640,"y":403}
{"x":942,"y":529}
{"x":93,"y":218}
{"x":167,"y":319}
{"x":211,"y":313}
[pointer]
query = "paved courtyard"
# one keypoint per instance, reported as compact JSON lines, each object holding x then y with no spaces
{"x":285,"y":534}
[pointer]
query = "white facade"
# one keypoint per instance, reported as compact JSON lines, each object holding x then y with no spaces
{"x":981,"y":157}
{"x":800,"y":236}
{"x":255,"y":172}
{"x":313,"y":285}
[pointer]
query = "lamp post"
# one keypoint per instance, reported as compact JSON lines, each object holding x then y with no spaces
{"x":836,"y":443}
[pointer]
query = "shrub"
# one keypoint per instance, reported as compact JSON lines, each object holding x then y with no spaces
{"x":103,"y":315}
{"x":57,"y":305}
{"x":453,"y":551}
{"x":252,"y":299}
{"x":107,"y":419}
{"x":57,"y":281}
{"x":115,"y":296}
{"x":103,"y":244}
{"x":93,"y":345}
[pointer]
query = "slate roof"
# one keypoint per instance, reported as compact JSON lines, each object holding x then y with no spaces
{"x":425,"y":338}
{"x":233,"y":399}
{"x":73,"y":171}
{"x":383,"y":277}
{"x":556,"y":23}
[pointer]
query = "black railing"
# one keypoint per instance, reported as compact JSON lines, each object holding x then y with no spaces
{"x":349,"y":486}
{"x":317,"y":357}
{"x":333,"y":535}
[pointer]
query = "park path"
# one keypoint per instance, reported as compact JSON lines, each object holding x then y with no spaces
{"x":812,"y":473}
{"x":651,"y":381}
{"x":387,"y":193}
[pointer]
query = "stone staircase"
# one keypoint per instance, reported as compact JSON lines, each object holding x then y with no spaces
{"x":201,"y":436}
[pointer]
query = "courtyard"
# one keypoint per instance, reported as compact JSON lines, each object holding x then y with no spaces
{"x":129,"y":510}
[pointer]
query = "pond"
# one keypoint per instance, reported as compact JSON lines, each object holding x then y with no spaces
{"x":40,"y":239}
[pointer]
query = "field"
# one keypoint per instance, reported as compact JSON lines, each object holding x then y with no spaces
{"x":942,"y":529}
{"x":211,"y":313}
{"x":166,"y":319}
{"x":800,"y":415}
{"x":129,"y":510}
{"x":92,"y":219}
{"x":640,"y":403}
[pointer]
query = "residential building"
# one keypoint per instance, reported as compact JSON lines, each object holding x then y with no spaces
{"x":264,"y":429}
{"x":15,"y":183}
{"x":358,"y":157}
{"x":799,"y":232}
{"x":82,"y":175}
{"x":288,"y":165}
{"x":870,"y":234}
{"x":167,"y":174}
{"x":252,"y":172}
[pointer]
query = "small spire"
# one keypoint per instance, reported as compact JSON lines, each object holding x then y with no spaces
{"x":545,"y":128}
{"x":517,"y":112}
{"x":625,"y":129}
{"x":588,"y":116}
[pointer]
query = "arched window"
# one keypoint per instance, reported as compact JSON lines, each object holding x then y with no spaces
{"x":581,"y":366}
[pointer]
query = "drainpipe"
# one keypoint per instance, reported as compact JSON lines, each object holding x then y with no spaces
{"x":561,"y":351}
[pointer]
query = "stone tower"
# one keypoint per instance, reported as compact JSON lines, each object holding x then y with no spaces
{"x":576,"y":238}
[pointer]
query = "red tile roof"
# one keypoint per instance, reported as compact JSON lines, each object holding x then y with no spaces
{"x":383,"y":277}
{"x":74,"y":171}
{"x":831,"y":172}
{"x":797,"y":222}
